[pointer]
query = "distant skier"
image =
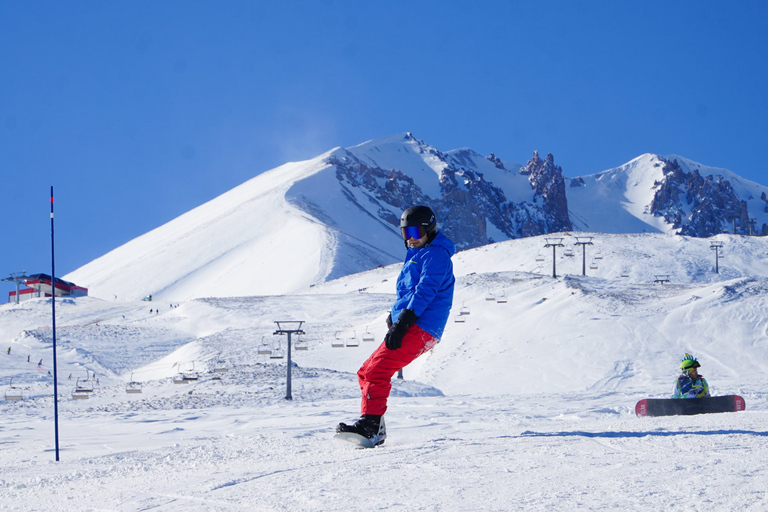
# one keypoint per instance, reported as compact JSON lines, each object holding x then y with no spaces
{"x":424,"y":298}
{"x":690,"y":384}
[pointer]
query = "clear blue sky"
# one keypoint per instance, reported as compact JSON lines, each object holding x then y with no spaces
{"x":138,"y":111}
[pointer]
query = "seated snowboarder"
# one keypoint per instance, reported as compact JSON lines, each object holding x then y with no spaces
{"x":690,"y":384}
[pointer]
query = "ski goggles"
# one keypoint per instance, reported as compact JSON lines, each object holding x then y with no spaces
{"x":413,"y":232}
{"x":689,"y":365}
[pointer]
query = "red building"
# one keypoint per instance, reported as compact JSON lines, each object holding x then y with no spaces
{"x":39,"y":285}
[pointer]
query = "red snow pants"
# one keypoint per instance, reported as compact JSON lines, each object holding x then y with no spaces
{"x":376,"y":374}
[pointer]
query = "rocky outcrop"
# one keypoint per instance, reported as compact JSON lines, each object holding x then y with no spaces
{"x":473,"y":211}
{"x":548,"y":182}
{"x":696,"y":205}
{"x":469,"y":203}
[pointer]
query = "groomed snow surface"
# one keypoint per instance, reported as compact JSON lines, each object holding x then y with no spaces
{"x":527,"y":404}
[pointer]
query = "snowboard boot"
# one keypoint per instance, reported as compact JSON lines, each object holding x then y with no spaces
{"x":370,"y":426}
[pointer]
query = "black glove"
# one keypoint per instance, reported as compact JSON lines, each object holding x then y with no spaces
{"x":394,"y":337}
{"x":389,"y":321}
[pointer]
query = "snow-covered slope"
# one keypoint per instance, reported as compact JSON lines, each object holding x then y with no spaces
{"x":236,"y":244}
{"x":537,"y":383}
{"x":616,"y":322}
{"x":617,"y":200}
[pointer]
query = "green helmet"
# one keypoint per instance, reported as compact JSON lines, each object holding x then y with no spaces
{"x":688,"y":363}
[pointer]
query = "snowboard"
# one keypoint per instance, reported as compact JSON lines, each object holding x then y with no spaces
{"x":356,"y":439}
{"x":688,"y":406}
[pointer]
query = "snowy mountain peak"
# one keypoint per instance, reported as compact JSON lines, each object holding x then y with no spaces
{"x":304,"y":223}
{"x":668,"y":194}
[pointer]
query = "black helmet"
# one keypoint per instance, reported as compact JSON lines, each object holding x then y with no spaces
{"x":421,"y":217}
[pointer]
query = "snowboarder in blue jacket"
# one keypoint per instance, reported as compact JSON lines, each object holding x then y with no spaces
{"x":690,"y":384}
{"x":416,"y":321}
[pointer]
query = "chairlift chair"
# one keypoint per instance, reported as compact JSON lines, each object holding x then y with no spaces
{"x":460,"y":319}
{"x":501,"y":298}
{"x":352,"y":341}
{"x":593,"y":266}
{"x":191,"y":374}
{"x":13,"y":393}
{"x":133,"y":387}
{"x":490,"y":297}
{"x":84,"y":386}
{"x":301,"y":344}
{"x":337,"y":341}
{"x":368,"y":336}
{"x":464,"y":310}
{"x":277,"y":353}
{"x":185,"y":377}
{"x":539,"y":257}
{"x":220,"y":365}
{"x":599,"y":256}
{"x":264,"y":349}
{"x":569,"y":253}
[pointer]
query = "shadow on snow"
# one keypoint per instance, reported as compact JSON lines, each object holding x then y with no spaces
{"x":620,"y":434}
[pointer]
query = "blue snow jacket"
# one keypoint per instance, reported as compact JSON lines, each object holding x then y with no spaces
{"x":425,"y":285}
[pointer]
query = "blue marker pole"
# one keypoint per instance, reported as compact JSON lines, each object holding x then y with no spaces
{"x":53,"y":312}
